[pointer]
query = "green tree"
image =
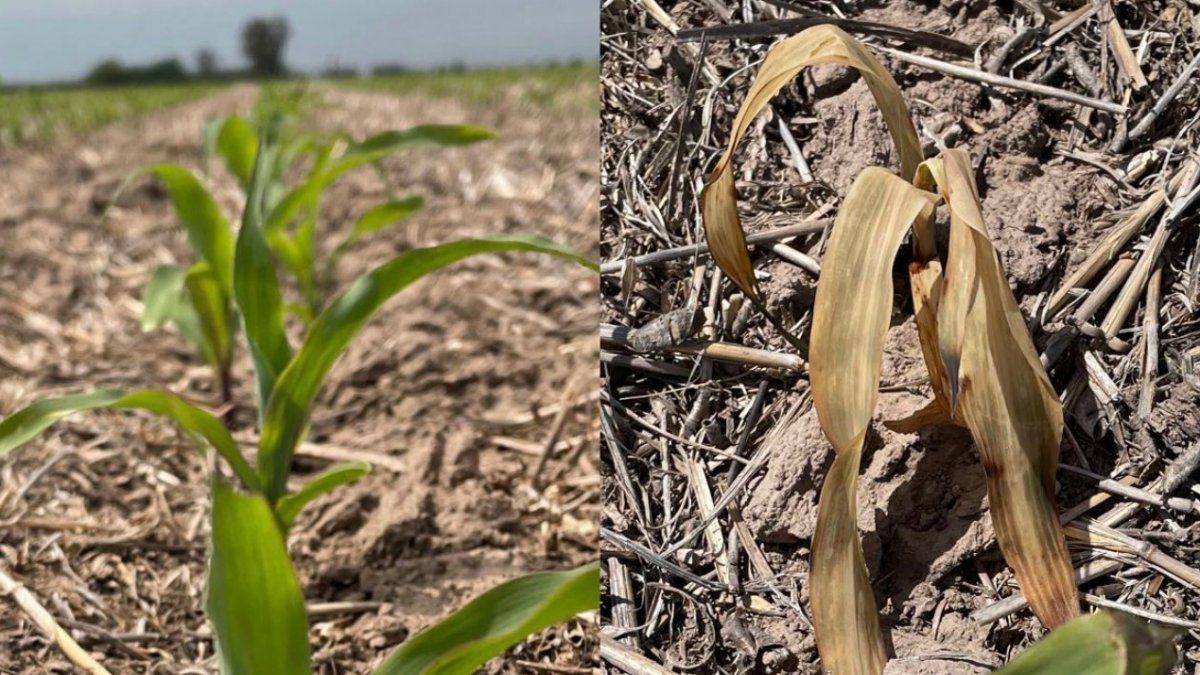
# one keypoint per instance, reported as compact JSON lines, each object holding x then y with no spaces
{"x":263,"y":40}
{"x":206,"y":62}
{"x":108,"y":71}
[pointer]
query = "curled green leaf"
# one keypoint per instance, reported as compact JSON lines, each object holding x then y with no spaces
{"x":495,"y":621}
{"x":335,"y":476}
{"x":25,"y":424}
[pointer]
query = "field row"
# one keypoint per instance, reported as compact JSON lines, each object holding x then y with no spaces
{"x":40,"y":115}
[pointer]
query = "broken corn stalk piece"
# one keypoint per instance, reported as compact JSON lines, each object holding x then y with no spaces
{"x":983,"y":368}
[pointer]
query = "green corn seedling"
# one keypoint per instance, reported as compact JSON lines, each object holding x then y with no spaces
{"x":199,"y":300}
{"x":254,"y":600}
{"x":291,"y":211}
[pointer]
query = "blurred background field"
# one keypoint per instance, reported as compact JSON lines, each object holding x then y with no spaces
{"x":41,"y":114}
{"x":96,"y":67}
{"x":571,"y":84}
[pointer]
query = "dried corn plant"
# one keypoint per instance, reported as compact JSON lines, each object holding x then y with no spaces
{"x":983,"y":368}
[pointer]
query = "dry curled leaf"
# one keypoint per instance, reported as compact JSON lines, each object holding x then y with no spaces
{"x":850,"y":320}
{"x":818,"y":45}
{"x":1000,"y":391}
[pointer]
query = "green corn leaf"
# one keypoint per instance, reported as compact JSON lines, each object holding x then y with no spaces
{"x":208,"y":140}
{"x":428,"y":135}
{"x":256,"y":287}
{"x":305,"y":271}
{"x":166,"y":299}
{"x":25,"y":424}
{"x":214,"y":316}
{"x":287,"y":151}
{"x":207,"y":229}
{"x":495,"y":621}
{"x":290,"y":205}
{"x":383,"y":215}
{"x":300,"y":311}
{"x":237,"y":144}
{"x":287,"y":249}
{"x":295,"y":247}
{"x":326,"y":168}
{"x":374,"y":220}
{"x":254,"y":600}
{"x":425,"y":135}
{"x":340,"y":474}
{"x":302,"y":204}
{"x":163,"y":297}
{"x":1104,"y":643}
{"x":306,"y":195}
{"x":288,"y":408}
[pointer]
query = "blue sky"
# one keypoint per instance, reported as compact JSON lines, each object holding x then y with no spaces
{"x":48,"y":40}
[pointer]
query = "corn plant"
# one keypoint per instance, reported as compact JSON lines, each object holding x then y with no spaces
{"x":199,"y":300}
{"x":1104,"y":643}
{"x":279,"y":109}
{"x":291,"y":212}
{"x":254,"y":601}
{"x":983,"y":368}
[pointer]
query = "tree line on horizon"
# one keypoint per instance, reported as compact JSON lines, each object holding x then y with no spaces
{"x":263,"y":42}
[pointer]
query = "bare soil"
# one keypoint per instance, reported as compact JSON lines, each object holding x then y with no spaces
{"x":105,"y":518}
{"x":922,"y":500}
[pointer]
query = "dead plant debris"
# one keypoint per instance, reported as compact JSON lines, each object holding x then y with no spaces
{"x":1081,"y":128}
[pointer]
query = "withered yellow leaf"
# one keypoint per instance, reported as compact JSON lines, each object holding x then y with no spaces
{"x":850,"y":320}
{"x":925,"y":278}
{"x":984,"y":371}
{"x":959,"y":283}
{"x":823,"y":44}
{"x":1004,"y":398}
